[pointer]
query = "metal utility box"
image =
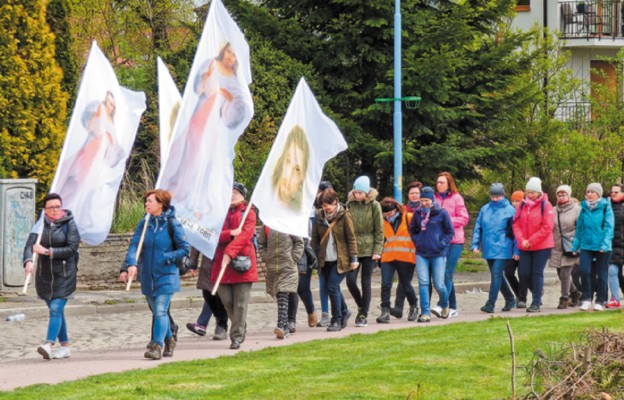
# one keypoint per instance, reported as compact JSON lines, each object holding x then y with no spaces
{"x":17,"y":217}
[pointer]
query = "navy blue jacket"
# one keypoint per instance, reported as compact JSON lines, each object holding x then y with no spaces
{"x":436,"y":238}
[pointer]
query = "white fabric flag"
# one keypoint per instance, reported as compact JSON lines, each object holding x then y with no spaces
{"x":216,"y":108}
{"x":99,"y":138}
{"x":169,"y":99}
{"x":290,"y":177}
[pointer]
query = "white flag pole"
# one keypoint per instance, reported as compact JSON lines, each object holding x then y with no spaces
{"x":34,"y":259}
{"x":139,"y":248}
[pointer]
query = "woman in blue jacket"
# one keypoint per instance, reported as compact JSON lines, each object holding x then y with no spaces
{"x":160,"y":277}
{"x":431,"y":230}
{"x":594,"y":236}
{"x":493,"y":236}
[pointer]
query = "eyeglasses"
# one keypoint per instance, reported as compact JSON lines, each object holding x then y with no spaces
{"x":562,"y":195}
{"x":53,"y":208}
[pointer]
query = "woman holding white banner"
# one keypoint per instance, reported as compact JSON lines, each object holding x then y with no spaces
{"x":333,"y":240}
{"x":57,"y":259}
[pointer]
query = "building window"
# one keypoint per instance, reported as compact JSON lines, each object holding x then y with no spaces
{"x":523,"y":5}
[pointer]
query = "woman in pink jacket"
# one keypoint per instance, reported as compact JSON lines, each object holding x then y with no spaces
{"x":449,"y":198}
{"x":533,"y":227}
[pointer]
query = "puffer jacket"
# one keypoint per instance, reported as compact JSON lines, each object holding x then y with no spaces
{"x":368,"y":223}
{"x":534,"y":224}
{"x":158,"y":271}
{"x":453,"y":203}
{"x":280,"y":252}
{"x":491,"y":230}
{"x":55,"y":275}
{"x":617,"y":246}
{"x":594,"y":228}
{"x":568,"y":214}
{"x":436,"y":238}
{"x":233,"y":246}
{"x":343,"y":235}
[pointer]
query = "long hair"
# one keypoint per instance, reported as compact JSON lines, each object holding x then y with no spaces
{"x":221,"y":54}
{"x":297,"y":138}
{"x":451,"y":182}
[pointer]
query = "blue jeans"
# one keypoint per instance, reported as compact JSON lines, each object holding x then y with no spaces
{"x":437,"y":265}
{"x":499,"y":283}
{"x":594,"y":264}
{"x":304,"y":292}
{"x":452,"y":258}
{"x":323,"y":295}
{"x":333,"y":279}
{"x":57,"y":327}
{"x":531,"y":268}
{"x":159,"y":306}
{"x":614,"y":281}
{"x":205,"y":315}
{"x":406,"y":273}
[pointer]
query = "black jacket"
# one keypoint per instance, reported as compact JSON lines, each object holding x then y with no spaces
{"x":55,"y":275}
{"x":617,"y":254}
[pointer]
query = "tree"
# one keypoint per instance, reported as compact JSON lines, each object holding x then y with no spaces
{"x":57,"y":16}
{"x":32,"y":103}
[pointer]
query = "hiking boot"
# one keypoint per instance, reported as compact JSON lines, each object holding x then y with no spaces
{"x":324,"y":322}
{"x":62,"y":352}
{"x":412,"y":315}
{"x":563,"y":303}
{"x":335,"y":326}
{"x":509,"y":305}
{"x":384,"y":318}
{"x":45,"y":350}
{"x":360,"y":321}
{"x":154,"y":352}
{"x":169,"y":347}
{"x":533,"y":309}
{"x":345,"y":319}
{"x":396,"y":312}
{"x":445,"y":313}
{"x":220,"y":333}
{"x":281,"y":332}
{"x":174,"y":332}
{"x":613,"y":303}
{"x":424,"y":318}
{"x":521,"y":304}
{"x":585,"y":305}
{"x":196,"y":328}
{"x":487,"y":309}
{"x":312,"y":321}
{"x":437,"y":311}
{"x":575,"y":298}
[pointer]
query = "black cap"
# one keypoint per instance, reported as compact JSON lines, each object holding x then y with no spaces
{"x":240,"y":188}
{"x":324,"y":185}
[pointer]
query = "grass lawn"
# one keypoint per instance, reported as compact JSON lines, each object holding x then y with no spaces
{"x":456,"y":361}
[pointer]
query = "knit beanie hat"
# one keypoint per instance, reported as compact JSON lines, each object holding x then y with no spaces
{"x":566,"y":189}
{"x":497,"y":189}
{"x":240,"y":188}
{"x":534,"y":184}
{"x":518,"y":195}
{"x":426,"y":193}
{"x":595,"y":187}
{"x":324,"y":185}
{"x":362,"y":184}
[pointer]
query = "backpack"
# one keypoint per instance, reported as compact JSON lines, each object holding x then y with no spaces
{"x":184,"y":263}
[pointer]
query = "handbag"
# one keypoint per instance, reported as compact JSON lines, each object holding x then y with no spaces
{"x":241,"y":263}
{"x":566,"y":241}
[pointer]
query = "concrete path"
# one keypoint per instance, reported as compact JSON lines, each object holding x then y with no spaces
{"x":109,"y":329}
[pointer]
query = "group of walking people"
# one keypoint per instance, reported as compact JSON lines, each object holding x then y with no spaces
{"x":585,"y":243}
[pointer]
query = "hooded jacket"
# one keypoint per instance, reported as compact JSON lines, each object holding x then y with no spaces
{"x":436,"y":238}
{"x":343,"y":235}
{"x":55,"y":274}
{"x":535,"y":224}
{"x":158,"y":271}
{"x":368,"y":223}
{"x":491,"y":230}
{"x":594,"y":228}
{"x":281,"y":252}
{"x":453,"y":203}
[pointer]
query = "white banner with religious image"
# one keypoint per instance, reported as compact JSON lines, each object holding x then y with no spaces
{"x":169,"y":100}
{"x":290,"y":177}
{"x":216,"y":108}
{"x":99,"y":138}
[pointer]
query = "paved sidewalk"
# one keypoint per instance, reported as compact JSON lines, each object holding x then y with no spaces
{"x":109,"y":329}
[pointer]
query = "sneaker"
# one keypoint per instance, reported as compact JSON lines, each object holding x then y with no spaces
{"x":487,"y":309}
{"x":424,"y":318}
{"x":360,"y":321}
{"x":281,"y":333}
{"x":585,"y":305}
{"x":613,"y":303}
{"x":312,"y":320}
{"x":521,"y":304}
{"x":509,"y":305}
{"x":335,"y":326}
{"x":235,"y":345}
{"x":196,"y":328}
{"x":453,"y":313}
{"x":292,"y":326}
{"x":413,"y":313}
{"x":154,"y":352}
{"x":169,"y":347}
{"x":62,"y":352}
{"x":45,"y":350}
{"x":397,"y":312}
{"x":220,"y":333}
{"x":598,"y":307}
{"x":533,"y":309}
{"x":437,"y":311}
{"x":324,"y":322}
{"x":445,"y":313}
{"x":345,"y":319}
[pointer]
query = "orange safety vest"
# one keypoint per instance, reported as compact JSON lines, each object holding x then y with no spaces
{"x":398,"y":245}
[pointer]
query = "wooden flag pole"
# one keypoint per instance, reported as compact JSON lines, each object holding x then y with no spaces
{"x":34,"y":261}
{"x":139,"y":248}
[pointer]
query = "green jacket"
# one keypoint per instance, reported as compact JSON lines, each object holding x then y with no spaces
{"x":280,"y":252}
{"x":342,"y":233}
{"x":368,"y":222}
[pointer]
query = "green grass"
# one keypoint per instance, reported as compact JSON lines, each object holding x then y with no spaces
{"x":456,"y":361}
{"x":470,"y":262}
{"x":2,"y":299}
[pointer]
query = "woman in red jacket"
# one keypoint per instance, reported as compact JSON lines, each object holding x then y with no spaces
{"x":235,"y":244}
{"x":533,"y":226}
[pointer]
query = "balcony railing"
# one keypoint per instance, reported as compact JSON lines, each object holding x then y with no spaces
{"x":575,"y":113}
{"x":591,"y":19}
